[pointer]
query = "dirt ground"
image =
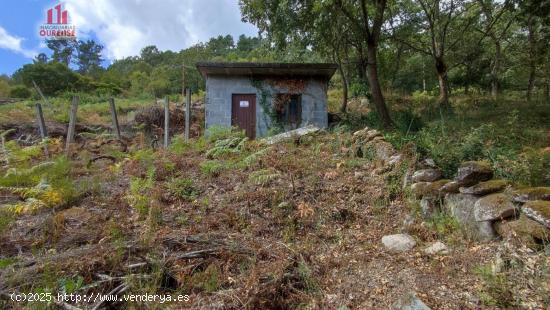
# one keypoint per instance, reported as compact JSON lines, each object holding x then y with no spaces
{"x":299,"y":226}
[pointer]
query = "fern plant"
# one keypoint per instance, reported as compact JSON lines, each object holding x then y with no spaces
{"x":226,"y":146}
{"x":263,"y":177}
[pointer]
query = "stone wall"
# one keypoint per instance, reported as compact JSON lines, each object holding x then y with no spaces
{"x":219,"y":91}
{"x":484,"y":207}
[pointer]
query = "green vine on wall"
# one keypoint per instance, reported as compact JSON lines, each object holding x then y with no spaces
{"x":272,"y":110}
{"x":266,"y":106}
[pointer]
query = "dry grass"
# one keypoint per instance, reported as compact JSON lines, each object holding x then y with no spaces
{"x":307,"y":236}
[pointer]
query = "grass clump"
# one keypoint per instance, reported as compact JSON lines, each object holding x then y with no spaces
{"x":212,"y":167}
{"x":140,"y":190}
{"x":497,"y":288}
{"x":182,"y":188}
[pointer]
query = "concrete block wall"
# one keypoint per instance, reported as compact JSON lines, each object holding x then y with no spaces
{"x":219,"y":91}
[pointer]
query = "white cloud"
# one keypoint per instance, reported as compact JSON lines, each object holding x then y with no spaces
{"x":126,"y":26}
{"x":13,"y":43}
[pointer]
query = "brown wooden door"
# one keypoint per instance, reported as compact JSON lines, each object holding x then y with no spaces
{"x":243,"y":113}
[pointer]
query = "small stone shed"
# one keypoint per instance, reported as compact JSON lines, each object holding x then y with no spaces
{"x":258,"y":97}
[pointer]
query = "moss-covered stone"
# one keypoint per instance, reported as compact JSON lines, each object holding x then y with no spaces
{"x":431,"y":189}
{"x":427,"y":175}
{"x":532,"y":193}
{"x":494,"y":207}
{"x":472,"y":172}
{"x":484,"y":188}
{"x":528,"y":231}
{"x":451,"y":187}
{"x":538,"y":210}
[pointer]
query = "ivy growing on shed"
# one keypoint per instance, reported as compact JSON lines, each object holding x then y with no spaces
{"x":291,"y":86}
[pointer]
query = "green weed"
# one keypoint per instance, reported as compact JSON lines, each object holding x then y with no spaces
{"x":182,"y":188}
{"x":212,"y":167}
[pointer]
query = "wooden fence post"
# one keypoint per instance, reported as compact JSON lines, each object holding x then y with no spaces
{"x":72,"y":123}
{"x":42,"y":127}
{"x":187,"y":115}
{"x":41,"y":123}
{"x":166,"y":122}
{"x":116,"y":127}
{"x":40,"y":93}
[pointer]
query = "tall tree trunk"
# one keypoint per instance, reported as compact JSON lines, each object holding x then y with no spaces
{"x":374,"y":83}
{"x":532,"y":64}
{"x":441,"y":69}
{"x":344,"y":105}
{"x":495,"y":70}
{"x":362,"y":67}
{"x":338,"y":60}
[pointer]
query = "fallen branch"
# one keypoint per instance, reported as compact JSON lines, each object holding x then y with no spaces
{"x":94,"y":159}
{"x":196,"y":254}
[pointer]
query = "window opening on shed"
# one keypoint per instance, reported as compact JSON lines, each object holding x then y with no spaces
{"x":289,"y":110}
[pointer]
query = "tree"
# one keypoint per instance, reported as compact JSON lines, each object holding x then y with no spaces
{"x":368,"y":27}
{"x":298,"y":22}
{"x":497,"y":22}
{"x":159,"y":84}
{"x":151,"y":55}
{"x":62,"y":50}
{"x":52,"y":77}
{"x":41,"y":58}
{"x":221,"y":46}
{"x":88,"y":57}
{"x":534,"y":17}
{"x":435,"y":28}
{"x":246,"y":44}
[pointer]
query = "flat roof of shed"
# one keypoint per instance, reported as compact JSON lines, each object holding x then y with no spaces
{"x":323,"y":70}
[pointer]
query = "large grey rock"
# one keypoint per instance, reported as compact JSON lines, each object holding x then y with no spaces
{"x":538,"y":211}
{"x":461,"y":208}
{"x":472,"y":172}
{"x":494,"y":207}
{"x":428,"y":207}
{"x":296,"y":133}
{"x":532,"y":193}
{"x":484,"y":188}
{"x":409,"y":301}
{"x":427,"y":175}
{"x":398,"y":242}
{"x":437,"y":247}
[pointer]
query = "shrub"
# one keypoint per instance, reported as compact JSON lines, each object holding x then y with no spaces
{"x":4,"y":88}
{"x":20,"y":91}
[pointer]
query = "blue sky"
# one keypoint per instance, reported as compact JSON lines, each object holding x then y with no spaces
{"x":122,"y":26}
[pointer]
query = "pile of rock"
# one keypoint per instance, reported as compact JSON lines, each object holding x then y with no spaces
{"x":484,"y":207}
{"x":370,"y":143}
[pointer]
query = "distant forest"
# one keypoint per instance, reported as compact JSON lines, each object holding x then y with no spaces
{"x":483,"y":47}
